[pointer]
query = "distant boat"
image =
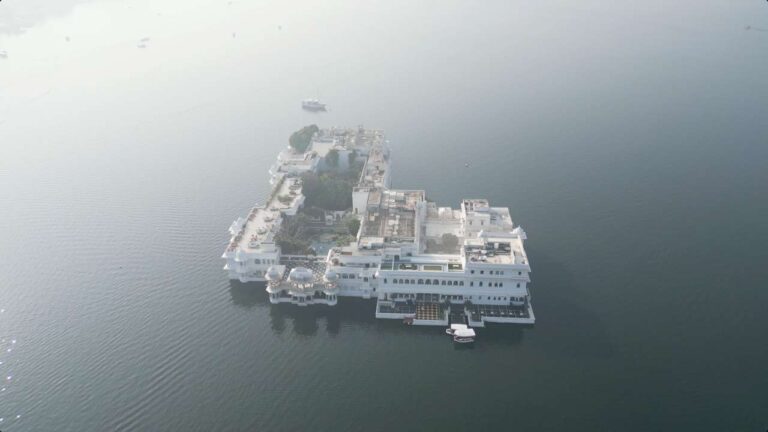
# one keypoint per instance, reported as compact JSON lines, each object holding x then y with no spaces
{"x":3,"y":54}
{"x":312,"y":105}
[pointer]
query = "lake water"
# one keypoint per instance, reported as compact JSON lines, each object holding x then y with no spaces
{"x":629,"y":139}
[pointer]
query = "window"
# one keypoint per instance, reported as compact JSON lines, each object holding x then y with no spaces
{"x":461,"y":283}
{"x":421,"y":281}
{"x":351,"y":276}
{"x":480,"y":283}
{"x":413,"y":281}
{"x":407,"y":282}
{"x":455,"y":283}
{"x":482,"y":271}
{"x":365,"y":279}
{"x":501,"y":284}
{"x":471,"y":283}
{"x":518,"y":285}
{"x":519,"y":273}
{"x":429,"y":282}
{"x":472,"y":271}
{"x":435,"y":282}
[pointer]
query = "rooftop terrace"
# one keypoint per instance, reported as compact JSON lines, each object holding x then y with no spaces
{"x":394,"y":217}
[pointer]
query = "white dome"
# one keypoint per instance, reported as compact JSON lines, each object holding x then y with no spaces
{"x":301,"y":275}
{"x":331,"y":276}
{"x":273,"y":274}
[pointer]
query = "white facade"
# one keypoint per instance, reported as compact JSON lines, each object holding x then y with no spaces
{"x":426,"y":264}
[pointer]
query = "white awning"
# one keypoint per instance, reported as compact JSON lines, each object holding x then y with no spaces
{"x":465,"y":332}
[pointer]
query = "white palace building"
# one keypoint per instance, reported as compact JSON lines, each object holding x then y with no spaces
{"x":423,"y":264}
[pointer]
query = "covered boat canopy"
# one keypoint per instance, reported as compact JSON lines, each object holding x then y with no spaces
{"x":455,"y":327}
{"x":464,"y":333}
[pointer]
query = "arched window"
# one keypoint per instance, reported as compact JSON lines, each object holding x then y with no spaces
{"x":407,"y":282}
{"x":413,"y":281}
{"x":442,"y":283}
{"x":429,"y":282}
{"x":461,"y":283}
{"x":455,"y":283}
{"x":434,"y":282}
{"x":421,"y":281}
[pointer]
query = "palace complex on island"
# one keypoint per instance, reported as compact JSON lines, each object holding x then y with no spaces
{"x":421,"y":263}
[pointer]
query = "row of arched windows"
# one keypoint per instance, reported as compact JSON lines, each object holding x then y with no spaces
{"x":442,"y":282}
{"x":426,"y":282}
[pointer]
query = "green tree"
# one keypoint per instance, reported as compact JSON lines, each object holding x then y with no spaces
{"x":293,"y":236}
{"x":300,"y":139}
{"x":332,"y":158}
{"x":353,"y":225}
{"x":329,"y":191}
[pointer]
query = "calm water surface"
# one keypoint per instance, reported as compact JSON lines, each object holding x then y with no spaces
{"x":628,"y":138}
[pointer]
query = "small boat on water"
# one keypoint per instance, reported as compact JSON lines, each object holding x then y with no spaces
{"x":461,"y":333}
{"x":312,"y":105}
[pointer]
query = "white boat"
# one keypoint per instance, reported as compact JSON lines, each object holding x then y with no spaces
{"x":464,"y":336}
{"x":3,"y":54}
{"x":451,"y":331}
{"x":312,"y":105}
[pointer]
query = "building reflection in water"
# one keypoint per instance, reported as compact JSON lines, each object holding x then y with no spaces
{"x":307,"y":320}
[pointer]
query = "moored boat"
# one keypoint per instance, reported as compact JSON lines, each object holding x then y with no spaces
{"x":464,"y":336}
{"x":452,"y":330}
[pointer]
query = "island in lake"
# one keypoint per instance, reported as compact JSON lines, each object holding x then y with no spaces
{"x":333,"y":227}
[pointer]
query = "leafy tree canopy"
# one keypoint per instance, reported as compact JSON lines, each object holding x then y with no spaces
{"x":332,"y":158}
{"x":300,"y":139}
